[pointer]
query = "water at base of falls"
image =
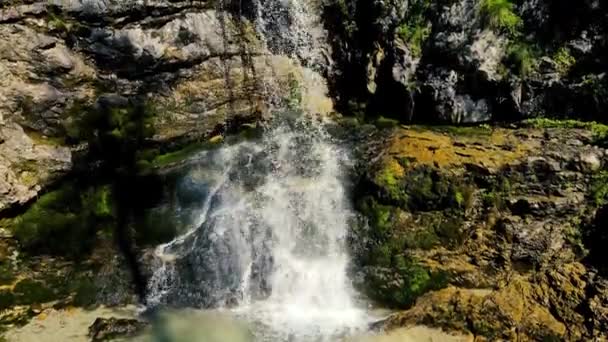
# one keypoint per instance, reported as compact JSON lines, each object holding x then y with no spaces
{"x":268,"y":243}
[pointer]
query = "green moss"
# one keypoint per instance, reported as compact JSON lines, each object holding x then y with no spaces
{"x":522,"y":58}
{"x":424,"y":238}
{"x":29,"y":291}
{"x":481,"y":327}
{"x":85,"y":292}
{"x":564,"y":61}
{"x":7,"y":276}
{"x":390,"y":182}
{"x":414,"y":37}
{"x":423,"y":188}
{"x":294,"y":100}
{"x":413,"y":280}
{"x":179,"y":155}
{"x":383,"y":122}
{"x":499,"y":188}
{"x":500,"y":16}
{"x":599,"y":131}
{"x":482,"y":130}
{"x":416,"y":29}
{"x":57,"y":23}
{"x":599,"y":188}
{"x":64,"y":221}
{"x":379,"y":216}
{"x":7,"y":299}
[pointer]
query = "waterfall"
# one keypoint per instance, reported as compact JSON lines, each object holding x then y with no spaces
{"x":269,"y":241}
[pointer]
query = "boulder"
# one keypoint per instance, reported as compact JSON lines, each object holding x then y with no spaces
{"x":108,"y":329}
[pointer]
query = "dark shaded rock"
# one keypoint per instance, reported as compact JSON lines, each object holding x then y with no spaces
{"x":106,"y":329}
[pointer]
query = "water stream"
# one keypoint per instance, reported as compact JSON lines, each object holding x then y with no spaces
{"x":268,"y":244}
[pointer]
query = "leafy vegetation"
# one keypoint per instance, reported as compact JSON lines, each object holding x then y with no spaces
{"x":522,"y":58}
{"x":29,"y":291}
{"x":294,"y":100}
{"x":416,"y":28}
{"x":564,"y":61}
{"x":599,"y":130}
{"x":500,"y":15}
{"x":599,"y":188}
{"x":493,"y":197}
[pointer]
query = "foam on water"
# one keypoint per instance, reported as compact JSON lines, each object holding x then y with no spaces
{"x":269,"y":243}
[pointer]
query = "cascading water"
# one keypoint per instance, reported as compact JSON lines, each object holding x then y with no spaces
{"x":268,"y":243}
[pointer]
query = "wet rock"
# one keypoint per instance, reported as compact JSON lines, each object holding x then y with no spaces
{"x":487,"y":52}
{"x":28,"y":165}
{"x":107,"y":329}
{"x":449,"y":106}
{"x":520,"y":198}
{"x":199,"y":69}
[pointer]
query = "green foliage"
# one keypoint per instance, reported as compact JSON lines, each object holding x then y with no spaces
{"x":7,"y":299}
{"x":85,"y":292}
{"x":416,"y":29}
{"x":7,"y":275}
{"x":494,"y":196}
{"x":158,"y":160}
{"x":450,"y":231}
{"x":116,"y":134}
{"x":64,"y":221}
{"x":57,"y":23}
{"x":500,"y":15}
{"x":563,"y":60}
{"x":383,"y":122}
{"x":599,"y":131}
{"x":29,"y":291}
{"x":414,"y":37}
{"x":482,"y":130}
{"x":177,"y":156}
{"x":294,"y":101}
{"x":379,"y":216}
{"x":424,"y":188}
{"x":599,"y":188}
{"x":522,"y":58}
{"x":413,"y":281}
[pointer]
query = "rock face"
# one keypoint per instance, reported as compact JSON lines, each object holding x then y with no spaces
{"x":493,"y":225}
{"x":108,"y":329}
{"x":198,"y":66}
{"x":469,"y":60}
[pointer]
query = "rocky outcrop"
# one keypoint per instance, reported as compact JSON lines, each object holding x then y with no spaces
{"x":108,"y":329}
{"x":469,"y":60}
{"x":483,"y":230}
{"x":198,"y":67}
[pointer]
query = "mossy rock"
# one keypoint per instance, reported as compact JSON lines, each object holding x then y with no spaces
{"x":85,"y":292}
{"x":28,"y":291}
{"x":400,"y":286}
{"x":64,"y":221}
{"x":423,"y":188}
{"x":7,"y":276}
{"x":156,"y":227}
{"x":7,"y":299}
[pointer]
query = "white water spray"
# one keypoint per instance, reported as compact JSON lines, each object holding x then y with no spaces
{"x":269,"y":244}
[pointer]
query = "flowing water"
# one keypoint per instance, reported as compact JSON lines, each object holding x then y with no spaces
{"x":268,"y":244}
